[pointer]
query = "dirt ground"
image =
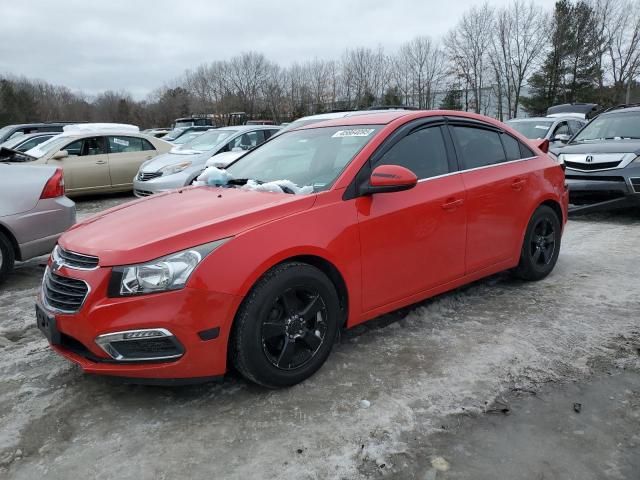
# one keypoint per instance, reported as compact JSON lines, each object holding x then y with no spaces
{"x":477,"y":383}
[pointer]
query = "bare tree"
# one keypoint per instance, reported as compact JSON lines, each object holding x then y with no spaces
{"x":418,"y":70}
{"x":624,"y":46}
{"x":468,"y":48}
{"x":520,"y":36}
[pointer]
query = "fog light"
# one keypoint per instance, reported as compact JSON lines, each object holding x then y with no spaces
{"x":154,"y":344}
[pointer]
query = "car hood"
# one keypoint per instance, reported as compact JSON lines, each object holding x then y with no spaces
{"x":604,"y":146}
{"x":154,"y":226}
{"x":172,"y":158}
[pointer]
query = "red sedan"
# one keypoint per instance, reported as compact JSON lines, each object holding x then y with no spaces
{"x":321,"y":228}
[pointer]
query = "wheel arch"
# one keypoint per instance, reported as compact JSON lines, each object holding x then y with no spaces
{"x":555,"y":206}
{"x":12,"y":240}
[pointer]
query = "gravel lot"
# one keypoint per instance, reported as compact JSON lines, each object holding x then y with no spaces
{"x":404,"y":396}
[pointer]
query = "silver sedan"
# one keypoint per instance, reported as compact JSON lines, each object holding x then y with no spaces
{"x":182,"y":165}
{"x":34,"y":212}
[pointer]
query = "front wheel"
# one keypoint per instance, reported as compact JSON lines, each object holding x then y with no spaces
{"x":286,"y":327}
{"x":541,"y":245}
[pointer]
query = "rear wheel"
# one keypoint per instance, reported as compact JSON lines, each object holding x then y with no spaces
{"x":7,"y":257}
{"x":286,"y":327}
{"x":541,"y":245}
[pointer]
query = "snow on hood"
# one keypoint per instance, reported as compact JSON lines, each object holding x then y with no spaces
{"x":184,"y":151}
{"x":217,"y":177}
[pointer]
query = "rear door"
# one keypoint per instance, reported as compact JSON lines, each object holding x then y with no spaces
{"x":126,"y":154}
{"x":498,"y":183}
{"x":87,"y":165}
{"x":414,"y":240}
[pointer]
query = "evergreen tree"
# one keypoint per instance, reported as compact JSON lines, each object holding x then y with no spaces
{"x":452,"y":100}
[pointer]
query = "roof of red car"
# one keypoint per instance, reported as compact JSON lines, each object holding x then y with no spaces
{"x":383,"y":118}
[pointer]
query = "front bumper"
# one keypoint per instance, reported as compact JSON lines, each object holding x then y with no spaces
{"x":603,"y":186}
{"x":165,"y":183}
{"x":185,"y":313}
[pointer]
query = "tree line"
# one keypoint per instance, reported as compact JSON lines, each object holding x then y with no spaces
{"x":495,"y":61}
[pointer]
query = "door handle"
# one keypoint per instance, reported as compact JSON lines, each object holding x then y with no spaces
{"x":100,"y":162}
{"x":452,"y":204}
{"x":149,"y":157}
{"x":518,"y":183}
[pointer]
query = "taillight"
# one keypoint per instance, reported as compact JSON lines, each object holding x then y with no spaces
{"x":55,"y":185}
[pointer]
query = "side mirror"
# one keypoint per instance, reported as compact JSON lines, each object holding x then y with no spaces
{"x":543,"y":145}
{"x":60,"y":155}
{"x":390,"y":178}
{"x":561,"y":137}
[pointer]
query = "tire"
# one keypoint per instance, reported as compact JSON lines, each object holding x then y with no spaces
{"x":541,"y":245}
{"x":7,"y":257}
{"x":286,"y":326}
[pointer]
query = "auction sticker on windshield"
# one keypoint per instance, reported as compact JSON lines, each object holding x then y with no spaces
{"x":354,"y":132}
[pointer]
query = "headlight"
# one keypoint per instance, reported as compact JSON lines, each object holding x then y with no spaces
{"x":163,"y":274}
{"x":560,"y":158}
{"x":171,"y":169}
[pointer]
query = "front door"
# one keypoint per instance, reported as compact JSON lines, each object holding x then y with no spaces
{"x":414,"y":240}
{"x":86,"y":167}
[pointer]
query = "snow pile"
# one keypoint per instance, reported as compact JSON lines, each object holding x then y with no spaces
{"x":278,"y":186}
{"x":216,"y":177}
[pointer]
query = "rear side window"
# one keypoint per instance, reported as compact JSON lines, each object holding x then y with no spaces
{"x":146,"y":145}
{"x":423,"y":152}
{"x":511,"y":147}
{"x":478,"y":147}
{"x":125,"y":144}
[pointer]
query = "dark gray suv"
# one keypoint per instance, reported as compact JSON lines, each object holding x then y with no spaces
{"x":602,"y":160}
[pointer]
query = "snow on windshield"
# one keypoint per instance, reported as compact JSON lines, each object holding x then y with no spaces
{"x":309,"y":160}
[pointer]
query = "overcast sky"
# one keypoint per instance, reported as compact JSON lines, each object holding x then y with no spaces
{"x":138,"y":45}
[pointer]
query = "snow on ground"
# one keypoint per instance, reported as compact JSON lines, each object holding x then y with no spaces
{"x":387,"y":380}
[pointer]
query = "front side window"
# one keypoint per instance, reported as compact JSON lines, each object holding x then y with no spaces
{"x":308,"y":158}
{"x":86,"y":147}
{"x":122,"y":144}
{"x":562,"y":129}
{"x":611,"y":126}
{"x":478,"y":147}
{"x":423,"y":152}
{"x":247,"y":141}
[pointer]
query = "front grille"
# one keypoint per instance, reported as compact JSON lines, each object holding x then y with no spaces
{"x":591,"y":167}
{"x":142,"y":193}
{"x":635,"y":183}
{"x":75,"y":260}
{"x":594,"y":178}
{"x":63,"y":293}
{"x":146,"y":176}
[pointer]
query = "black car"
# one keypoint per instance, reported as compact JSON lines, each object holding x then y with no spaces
{"x":603,"y":160}
{"x":11,"y":130}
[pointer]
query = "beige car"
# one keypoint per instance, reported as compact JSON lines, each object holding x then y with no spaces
{"x":98,"y":161}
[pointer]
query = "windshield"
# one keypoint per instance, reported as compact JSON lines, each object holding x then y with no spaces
{"x":173,"y":134}
{"x":207,"y":141}
{"x":531,"y":128}
{"x":611,"y":127}
{"x":187,"y":137}
{"x":299,"y":123}
{"x":309,"y":158}
{"x":50,"y":146}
